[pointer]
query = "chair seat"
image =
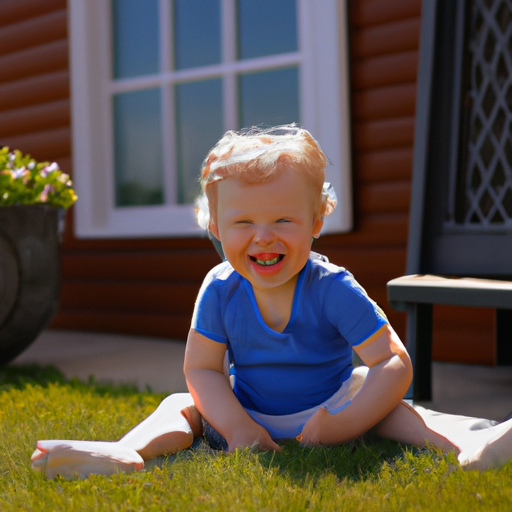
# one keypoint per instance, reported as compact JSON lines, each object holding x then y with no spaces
{"x":417,"y":294}
{"x":460,"y":291}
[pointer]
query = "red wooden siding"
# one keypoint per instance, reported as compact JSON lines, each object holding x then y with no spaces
{"x":34,"y":79}
{"x":148,"y":287}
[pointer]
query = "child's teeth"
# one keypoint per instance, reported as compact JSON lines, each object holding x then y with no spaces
{"x":267,"y":262}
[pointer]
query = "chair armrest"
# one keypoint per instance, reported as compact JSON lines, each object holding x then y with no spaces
{"x":456,"y":291}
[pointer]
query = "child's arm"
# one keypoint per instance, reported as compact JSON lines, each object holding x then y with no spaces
{"x":386,"y":383}
{"x":214,"y":398}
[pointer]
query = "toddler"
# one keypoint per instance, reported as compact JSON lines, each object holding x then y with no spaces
{"x":269,"y":352}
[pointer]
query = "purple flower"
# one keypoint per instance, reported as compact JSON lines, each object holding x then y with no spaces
{"x":48,"y":169}
{"x":44,"y":194}
{"x":19,"y":173}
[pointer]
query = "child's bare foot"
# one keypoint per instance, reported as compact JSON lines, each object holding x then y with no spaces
{"x":79,"y":459}
{"x":494,"y":453}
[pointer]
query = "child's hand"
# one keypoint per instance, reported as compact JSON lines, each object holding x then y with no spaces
{"x":316,"y":429}
{"x":254,"y":437}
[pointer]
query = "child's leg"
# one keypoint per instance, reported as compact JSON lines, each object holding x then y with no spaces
{"x":402,"y":424}
{"x":480,"y":444}
{"x":405,"y":425}
{"x":170,"y":428}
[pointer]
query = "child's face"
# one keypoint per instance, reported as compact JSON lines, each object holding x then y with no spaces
{"x":266,"y":228}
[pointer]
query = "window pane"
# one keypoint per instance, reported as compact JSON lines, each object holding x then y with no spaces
{"x":266,"y":27}
{"x":199,"y":124}
{"x":136,"y":37}
{"x":269,"y":98}
{"x":196,"y":33}
{"x":138,"y":148}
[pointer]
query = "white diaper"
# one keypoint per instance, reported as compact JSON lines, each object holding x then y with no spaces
{"x":290,"y":425}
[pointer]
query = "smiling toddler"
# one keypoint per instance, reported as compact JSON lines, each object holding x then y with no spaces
{"x":269,"y":352}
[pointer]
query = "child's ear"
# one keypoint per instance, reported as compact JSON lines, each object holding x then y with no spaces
{"x":214,"y":230}
{"x":317,"y":226}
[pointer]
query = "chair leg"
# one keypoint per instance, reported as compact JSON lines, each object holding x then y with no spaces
{"x":504,"y":337}
{"x":419,"y":346}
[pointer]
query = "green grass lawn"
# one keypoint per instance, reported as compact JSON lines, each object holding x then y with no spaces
{"x":375,"y":475}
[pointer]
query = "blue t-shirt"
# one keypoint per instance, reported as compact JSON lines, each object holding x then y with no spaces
{"x":301,"y":367}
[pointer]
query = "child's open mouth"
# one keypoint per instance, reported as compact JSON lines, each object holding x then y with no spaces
{"x":267,"y":260}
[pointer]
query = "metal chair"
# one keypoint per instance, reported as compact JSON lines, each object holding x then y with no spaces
{"x":460,"y":231}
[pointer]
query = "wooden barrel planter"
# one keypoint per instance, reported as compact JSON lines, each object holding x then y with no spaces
{"x":29,"y":274}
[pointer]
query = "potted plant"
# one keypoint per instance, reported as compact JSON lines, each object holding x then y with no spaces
{"x":33,"y":199}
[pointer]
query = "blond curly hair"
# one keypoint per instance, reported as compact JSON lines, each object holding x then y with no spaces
{"x":255,"y":155}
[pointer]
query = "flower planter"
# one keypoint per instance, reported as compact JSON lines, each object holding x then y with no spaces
{"x":29,"y":274}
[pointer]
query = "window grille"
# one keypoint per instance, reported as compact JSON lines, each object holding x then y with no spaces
{"x":483,"y":191}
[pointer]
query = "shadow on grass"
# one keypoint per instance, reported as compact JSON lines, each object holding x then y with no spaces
{"x":19,"y":376}
{"x":354,"y":461}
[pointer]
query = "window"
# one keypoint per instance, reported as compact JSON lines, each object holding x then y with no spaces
{"x":155,"y":83}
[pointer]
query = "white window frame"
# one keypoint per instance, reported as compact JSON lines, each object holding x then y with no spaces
{"x":324,"y":107}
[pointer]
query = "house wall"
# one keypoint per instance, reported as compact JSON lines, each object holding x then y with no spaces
{"x":148,"y":287}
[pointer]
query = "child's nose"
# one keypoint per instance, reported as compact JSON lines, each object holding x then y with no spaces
{"x":264,"y":236}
